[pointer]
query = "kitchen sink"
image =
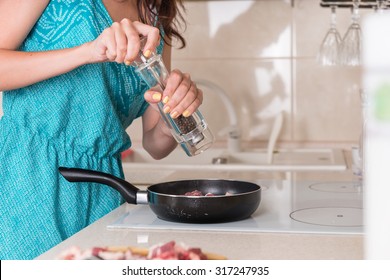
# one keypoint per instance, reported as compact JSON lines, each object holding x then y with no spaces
{"x":253,"y":160}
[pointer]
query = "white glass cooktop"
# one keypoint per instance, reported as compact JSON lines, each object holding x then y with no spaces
{"x":291,"y":207}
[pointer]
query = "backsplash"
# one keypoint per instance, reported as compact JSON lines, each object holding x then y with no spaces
{"x":263,"y":54}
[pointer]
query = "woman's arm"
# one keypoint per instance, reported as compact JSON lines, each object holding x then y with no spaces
{"x":19,"y":69}
{"x":119,"y":43}
{"x":16,"y":20}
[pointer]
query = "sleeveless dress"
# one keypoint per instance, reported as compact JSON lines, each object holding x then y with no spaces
{"x":74,"y":120}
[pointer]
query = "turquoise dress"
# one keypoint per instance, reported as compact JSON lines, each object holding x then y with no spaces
{"x":74,"y":120}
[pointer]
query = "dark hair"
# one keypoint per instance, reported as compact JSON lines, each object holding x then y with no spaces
{"x":169,"y":17}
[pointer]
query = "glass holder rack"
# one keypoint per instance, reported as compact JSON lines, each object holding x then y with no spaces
{"x":370,"y":4}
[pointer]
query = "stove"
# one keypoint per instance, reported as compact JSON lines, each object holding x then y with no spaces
{"x":286,"y":207}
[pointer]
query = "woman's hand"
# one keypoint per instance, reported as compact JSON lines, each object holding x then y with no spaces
{"x":180,"y":97}
{"x":121,"y":42}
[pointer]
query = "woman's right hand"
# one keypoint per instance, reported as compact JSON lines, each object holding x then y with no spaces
{"x":121,"y":42}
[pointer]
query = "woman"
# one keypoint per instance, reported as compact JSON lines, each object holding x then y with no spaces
{"x":69,"y":94}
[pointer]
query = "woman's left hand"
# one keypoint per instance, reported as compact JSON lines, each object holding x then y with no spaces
{"x":180,"y":97}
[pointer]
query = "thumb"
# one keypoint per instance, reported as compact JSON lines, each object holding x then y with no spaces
{"x":153,"y":96}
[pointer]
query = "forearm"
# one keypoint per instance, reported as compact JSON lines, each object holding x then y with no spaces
{"x":158,"y":141}
{"x":19,"y":69}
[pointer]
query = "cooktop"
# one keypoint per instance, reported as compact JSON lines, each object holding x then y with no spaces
{"x":286,"y":206}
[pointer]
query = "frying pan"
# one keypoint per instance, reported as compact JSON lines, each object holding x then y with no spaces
{"x":168,"y":202}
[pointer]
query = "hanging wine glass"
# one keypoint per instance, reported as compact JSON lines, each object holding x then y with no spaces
{"x":351,"y":44}
{"x":380,"y":6}
{"x":329,"y":50}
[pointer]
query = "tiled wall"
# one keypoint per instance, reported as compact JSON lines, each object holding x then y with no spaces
{"x":263,"y":54}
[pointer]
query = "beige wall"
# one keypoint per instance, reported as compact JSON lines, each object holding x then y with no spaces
{"x":263,"y":54}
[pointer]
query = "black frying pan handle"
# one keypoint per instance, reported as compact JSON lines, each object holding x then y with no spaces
{"x":127,"y":190}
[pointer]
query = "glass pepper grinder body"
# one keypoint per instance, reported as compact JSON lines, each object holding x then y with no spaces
{"x":192,"y":132}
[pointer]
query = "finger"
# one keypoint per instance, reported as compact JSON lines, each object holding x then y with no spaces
{"x":194,"y":105}
{"x":121,"y":43}
{"x":101,"y":50}
{"x":189,"y":104}
{"x":153,"y":37}
{"x":153,"y":96}
{"x":185,"y":95}
{"x":108,"y":39}
{"x":174,"y":80}
{"x":133,"y":41}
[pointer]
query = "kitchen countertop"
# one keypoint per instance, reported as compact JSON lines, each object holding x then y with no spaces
{"x":241,"y":245}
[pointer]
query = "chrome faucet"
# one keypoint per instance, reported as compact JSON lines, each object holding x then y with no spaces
{"x":233,"y":131}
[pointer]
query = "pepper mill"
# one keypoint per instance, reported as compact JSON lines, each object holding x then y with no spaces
{"x":192,"y":132}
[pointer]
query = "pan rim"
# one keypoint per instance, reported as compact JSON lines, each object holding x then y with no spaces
{"x":258,"y":188}
{"x":203,"y":196}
